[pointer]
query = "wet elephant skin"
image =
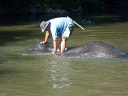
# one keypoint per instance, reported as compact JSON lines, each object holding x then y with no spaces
{"x":91,"y":49}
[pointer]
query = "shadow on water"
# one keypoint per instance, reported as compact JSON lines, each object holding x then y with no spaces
{"x":19,"y":19}
{"x":14,"y":36}
{"x":15,"y":28}
{"x":102,"y":17}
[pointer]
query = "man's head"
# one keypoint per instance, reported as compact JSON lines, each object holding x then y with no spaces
{"x":44,"y":25}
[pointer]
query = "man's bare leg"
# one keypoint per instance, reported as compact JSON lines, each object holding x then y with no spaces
{"x":63,"y":44}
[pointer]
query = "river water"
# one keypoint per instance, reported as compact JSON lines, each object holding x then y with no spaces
{"x":24,"y":73}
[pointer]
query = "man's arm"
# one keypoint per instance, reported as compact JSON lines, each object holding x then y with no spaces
{"x":46,"y":37}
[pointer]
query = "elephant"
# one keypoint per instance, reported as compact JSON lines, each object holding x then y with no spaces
{"x":48,"y":47}
{"x":91,"y":49}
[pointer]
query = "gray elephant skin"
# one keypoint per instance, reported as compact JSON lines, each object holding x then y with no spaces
{"x":91,"y":49}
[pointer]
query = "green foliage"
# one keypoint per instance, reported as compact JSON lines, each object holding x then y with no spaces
{"x":92,"y":4}
{"x":67,"y":4}
{"x":73,"y":4}
{"x":26,"y":6}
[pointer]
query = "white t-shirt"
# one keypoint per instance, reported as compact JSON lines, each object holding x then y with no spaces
{"x":60,"y":26}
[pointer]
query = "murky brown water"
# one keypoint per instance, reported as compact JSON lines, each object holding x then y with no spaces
{"x":24,"y":73}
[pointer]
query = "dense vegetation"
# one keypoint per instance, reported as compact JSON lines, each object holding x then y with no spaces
{"x":41,"y":6}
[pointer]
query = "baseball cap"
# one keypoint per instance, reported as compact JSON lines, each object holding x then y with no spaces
{"x":43,"y":25}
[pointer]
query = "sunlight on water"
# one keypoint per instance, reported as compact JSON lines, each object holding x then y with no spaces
{"x":24,"y":73}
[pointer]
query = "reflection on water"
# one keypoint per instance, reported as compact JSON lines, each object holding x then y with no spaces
{"x":59,"y":74}
{"x":24,"y":73}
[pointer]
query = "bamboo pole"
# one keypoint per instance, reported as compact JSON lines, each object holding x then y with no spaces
{"x":77,"y":24}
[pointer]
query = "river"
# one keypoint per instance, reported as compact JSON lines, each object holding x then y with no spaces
{"x":24,"y":73}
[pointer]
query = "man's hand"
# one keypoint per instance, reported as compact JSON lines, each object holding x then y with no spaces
{"x":43,"y":42}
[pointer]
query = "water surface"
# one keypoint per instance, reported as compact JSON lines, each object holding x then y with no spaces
{"x":24,"y":73}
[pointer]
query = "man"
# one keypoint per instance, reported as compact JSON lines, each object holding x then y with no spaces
{"x":61,"y":28}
